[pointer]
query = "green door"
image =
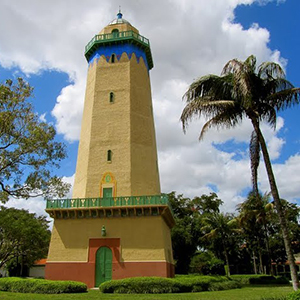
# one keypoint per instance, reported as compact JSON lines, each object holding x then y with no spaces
{"x":103,"y":270}
{"x":107,"y":192}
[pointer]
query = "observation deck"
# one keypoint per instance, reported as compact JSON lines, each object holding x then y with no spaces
{"x":123,"y":37}
{"x":133,"y":206}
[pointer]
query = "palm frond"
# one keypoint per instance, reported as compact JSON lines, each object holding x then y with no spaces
{"x":250,"y":62}
{"x":267,"y":112}
{"x":213,"y":233}
{"x":242,"y":76}
{"x":222,"y":120}
{"x":270,"y":70}
{"x":232,"y":66}
{"x":204,"y":106}
{"x":285,"y":98}
{"x":212,"y":86}
{"x":274,"y":85}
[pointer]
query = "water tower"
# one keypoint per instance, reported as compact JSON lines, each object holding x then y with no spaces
{"x":117,"y":223}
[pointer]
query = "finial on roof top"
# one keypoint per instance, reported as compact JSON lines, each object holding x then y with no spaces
{"x":119,"y":15}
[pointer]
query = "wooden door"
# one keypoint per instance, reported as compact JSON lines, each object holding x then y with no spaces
{"x":103,"y":268}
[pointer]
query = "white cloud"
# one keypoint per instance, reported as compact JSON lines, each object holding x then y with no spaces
{"x":188,"y":39}
{"x":68,"y":110}
{"x":287,"y":177}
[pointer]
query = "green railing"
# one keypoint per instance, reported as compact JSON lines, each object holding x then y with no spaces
{"x":117,"y":36}
{"x":108,"y":202}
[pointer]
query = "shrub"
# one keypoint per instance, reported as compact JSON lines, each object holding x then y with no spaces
{"x":157,"y":285}
{"x":199,"y":283}
{"x":141,"y":285}
{"x":294,"y":296}
{"x":225,"y":285}
{"x":285,"y":274}
{"x":206,"y":263}
{"x":260,"y":279}
{"x":243,"y":278}
{"x":268,"y":280}
{"x":40,"y":286}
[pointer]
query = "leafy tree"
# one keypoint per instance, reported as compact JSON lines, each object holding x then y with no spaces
{"x":23,"y":235}
{"x":187,"y":231}
{"x":241,"y":92}
{"x":206,"y":263}
{"x":220,"y":227}
{"x":28,"y":152}
{"x":207,"y":204}
{"x":183,"y":234}
{"x":254,"y":220}
{"x":291,"y":212}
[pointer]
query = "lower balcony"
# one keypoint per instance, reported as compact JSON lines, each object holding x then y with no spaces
{"x":131,"y":206}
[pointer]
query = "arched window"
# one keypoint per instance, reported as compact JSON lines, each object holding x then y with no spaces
{"x":113,"y":58}
{"x":115,"y":32}
{"x":109,"y":155}
{"x":111,"y":97}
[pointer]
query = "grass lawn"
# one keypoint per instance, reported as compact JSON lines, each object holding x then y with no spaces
{"x":256,"y":292}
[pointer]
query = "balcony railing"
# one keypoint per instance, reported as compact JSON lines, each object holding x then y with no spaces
{"x":119,"y":37}
{"x":116,"y":36}
{"x":112,"y":207}
{"x":108,"y":202}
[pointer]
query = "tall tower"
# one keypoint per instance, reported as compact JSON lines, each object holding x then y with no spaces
{"x":117,"y":223}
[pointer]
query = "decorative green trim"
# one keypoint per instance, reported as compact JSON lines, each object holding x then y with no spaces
{"x":117,"y":38}
{"x":137,"y":206}
{"x":108,"y":202}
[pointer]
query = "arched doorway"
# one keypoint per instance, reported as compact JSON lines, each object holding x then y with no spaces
{"x":103,"y":266}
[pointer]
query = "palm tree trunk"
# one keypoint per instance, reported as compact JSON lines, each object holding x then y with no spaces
{"x":275,"y":194}
{"x":254,"y":262}
{"x":268,"y":249}
{"x":261,"y":266}
{"x":227,"y":262}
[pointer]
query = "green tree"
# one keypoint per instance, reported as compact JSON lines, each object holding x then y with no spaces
{"x":23,"y":236}
{"x":254,"y":218}
{"x":220,"y":227}
{"x":206,"y":263}
{"x":187,"y":231}
{"x":243,"y":91}
{"x":207,"y":204}
{"x":28,"y":151}
{"x":183,"y":234}
{"x":291,"y":212}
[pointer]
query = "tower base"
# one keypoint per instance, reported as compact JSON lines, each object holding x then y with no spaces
{"x":84,"y":272}
{"x":134,"y":246}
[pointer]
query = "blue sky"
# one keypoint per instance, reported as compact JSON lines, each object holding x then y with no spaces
{"x":44,"y":41}
{"x":282,"y":21}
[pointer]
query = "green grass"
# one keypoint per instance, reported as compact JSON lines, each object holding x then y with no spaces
{"x":246,"y":293}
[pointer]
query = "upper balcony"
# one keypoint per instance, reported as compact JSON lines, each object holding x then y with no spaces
{"x":111,"y":207}
{"x":119,"y":38}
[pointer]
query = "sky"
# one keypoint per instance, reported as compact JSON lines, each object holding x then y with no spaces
{"x":43,"y":41}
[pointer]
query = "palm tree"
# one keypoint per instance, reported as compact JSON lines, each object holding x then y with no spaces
{"x":243,"y":91}
{"x":219,"y":226}
{"x":254,"y":218}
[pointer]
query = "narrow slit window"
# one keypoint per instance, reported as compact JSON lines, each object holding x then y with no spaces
{"x":109,"y":155}
{"x":113,"y":58}
{"x":111,"y":97}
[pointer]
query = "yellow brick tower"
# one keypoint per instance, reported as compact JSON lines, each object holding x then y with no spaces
{"x":117,"y":223}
